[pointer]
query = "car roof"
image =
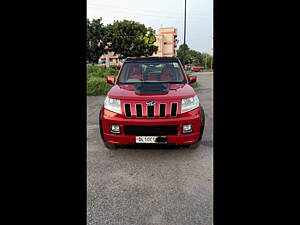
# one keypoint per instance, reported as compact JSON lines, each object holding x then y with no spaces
{"x":151,"y":59}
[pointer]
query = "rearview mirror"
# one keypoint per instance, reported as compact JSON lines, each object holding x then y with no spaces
{"x":192,"y":79}
{"x":110,"y":80}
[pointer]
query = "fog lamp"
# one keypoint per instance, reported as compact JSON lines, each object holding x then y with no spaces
{"x":115,"y":129}
{"x":187,"y":128}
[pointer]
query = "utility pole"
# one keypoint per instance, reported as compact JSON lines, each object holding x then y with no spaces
{"x":212,"y":56}
{"x":184,"y":32}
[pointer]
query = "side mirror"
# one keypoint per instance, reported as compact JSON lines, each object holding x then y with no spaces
{"x":110,"y":80}
{"x":192,"y":79}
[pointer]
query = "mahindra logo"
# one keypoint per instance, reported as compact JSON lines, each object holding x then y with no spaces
{"x":150,"y":103}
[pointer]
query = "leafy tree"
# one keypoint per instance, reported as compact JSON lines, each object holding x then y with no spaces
{"x":196,"y":58}
{"x":183,"y":53}
{"x":130,"y":38}
{"x":189,"y":56}
{"x":207,"y":60}
{"x":95,"y":45}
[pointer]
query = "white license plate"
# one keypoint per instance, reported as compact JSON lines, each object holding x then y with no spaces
{"x":145,"y":139}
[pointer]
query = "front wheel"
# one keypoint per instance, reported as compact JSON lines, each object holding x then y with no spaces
{"x":202,"y":122}
{"x":110,"y":146}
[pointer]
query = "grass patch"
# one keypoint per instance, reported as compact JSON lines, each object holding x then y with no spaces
{"x":98,"y":71}
{"x":189,"y":73}
{"x":96,"y":80}
{"x":97,"y":86}
{"x":195,"y":85}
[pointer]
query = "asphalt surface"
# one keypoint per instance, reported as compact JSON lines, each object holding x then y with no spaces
{"x":138,"y":186}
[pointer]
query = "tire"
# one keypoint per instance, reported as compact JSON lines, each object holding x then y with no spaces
{"x":194,"y":145}
{"x":110,"y":146}
{"x":202,"y":122}
{"x":100,"y":127}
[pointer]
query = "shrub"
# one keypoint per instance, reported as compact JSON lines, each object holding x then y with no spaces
{"x":195,"y":85}
{"x":98,"y":71}
{"x":97,"y":86}
{"x":96,"y":80}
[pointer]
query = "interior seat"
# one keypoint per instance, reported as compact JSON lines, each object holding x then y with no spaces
{"x":168,"y":74}
{"x":135,"y":73}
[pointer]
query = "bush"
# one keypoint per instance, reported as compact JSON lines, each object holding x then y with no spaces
{"x":98,"y":71}
{"x":195,"y":85}
{"x":96,"y":80}
{"x":97,"y":86}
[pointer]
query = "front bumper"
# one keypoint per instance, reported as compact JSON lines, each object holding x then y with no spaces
{"x":108,"y":118}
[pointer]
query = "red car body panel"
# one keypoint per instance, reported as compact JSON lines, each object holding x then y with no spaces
{"x":126,"y":93}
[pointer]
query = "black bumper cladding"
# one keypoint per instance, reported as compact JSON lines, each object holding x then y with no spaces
{"x":151,"y":130}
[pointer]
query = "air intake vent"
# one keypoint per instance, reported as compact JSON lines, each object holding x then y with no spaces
{"x":127,"y":110}
{"x":174,"y":109}
{"x":139,"y":110}
{"x":150,"y":111}
{"x":162,"y":110}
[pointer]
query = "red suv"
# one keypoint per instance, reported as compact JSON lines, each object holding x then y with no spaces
{"x":151,"y":102}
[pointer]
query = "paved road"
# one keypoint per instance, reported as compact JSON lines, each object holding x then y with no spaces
{"x":134,"y":186}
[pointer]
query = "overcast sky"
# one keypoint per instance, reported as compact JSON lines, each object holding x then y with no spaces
{"x":162,"y":13}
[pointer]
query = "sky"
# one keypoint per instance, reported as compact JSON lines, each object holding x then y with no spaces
{"x":162,"y":13}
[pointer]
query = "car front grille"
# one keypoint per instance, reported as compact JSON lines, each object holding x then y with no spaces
{"x":151,"y":130}
{"x":140,"y":109}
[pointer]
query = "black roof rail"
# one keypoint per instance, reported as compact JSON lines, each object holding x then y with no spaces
{"x":152,"y":59}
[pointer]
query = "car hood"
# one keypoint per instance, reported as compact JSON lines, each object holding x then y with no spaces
{"x":130,"y":92}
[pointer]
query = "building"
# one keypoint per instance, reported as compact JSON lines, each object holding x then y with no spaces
{"x":166,"y":40}
{"x":110,"y":60}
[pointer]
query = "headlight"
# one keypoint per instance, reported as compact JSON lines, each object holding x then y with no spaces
{"x":188,"y":104}
{"x":113,"y":105}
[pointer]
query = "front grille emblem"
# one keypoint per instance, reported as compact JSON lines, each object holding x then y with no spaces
{"x":150,"y":103}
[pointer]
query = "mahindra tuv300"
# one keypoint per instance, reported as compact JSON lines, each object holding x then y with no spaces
{"x":151,"y":102}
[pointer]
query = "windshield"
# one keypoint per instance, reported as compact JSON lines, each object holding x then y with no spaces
{"x":146,"y":72}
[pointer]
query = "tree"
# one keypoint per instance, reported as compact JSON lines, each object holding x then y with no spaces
{"x":95,"y":45}
{"x":130,"y":38}
{"x":189,"y":56}
{"x":196,"y":58}
{"x":207,"y":60}
{"x":183,"y":53}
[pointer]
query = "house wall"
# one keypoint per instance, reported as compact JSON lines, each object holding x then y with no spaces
{"x":166,"y":41}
